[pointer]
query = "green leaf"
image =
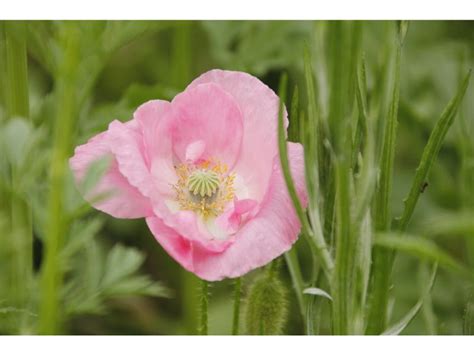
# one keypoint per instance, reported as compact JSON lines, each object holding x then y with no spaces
{"x":95,"y":277}
{"x":459,"y":223}
{"x":314,"y":291}
{"x":82,"y":232}
{"x":431,"y":152}
{"x":121,"y":262}
{"x":398,"y":327}
{"x":16,"y":139}
{"x":422,"y":248}
{"x":382,"y":259}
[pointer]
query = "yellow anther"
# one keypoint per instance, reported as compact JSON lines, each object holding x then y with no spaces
{"x":204,"y":188}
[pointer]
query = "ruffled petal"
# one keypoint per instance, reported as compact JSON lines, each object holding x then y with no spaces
{"x":259,"y":106}
{"x":263,"y":238}
{"x":112,"y":194}
{"x":206,"y":120}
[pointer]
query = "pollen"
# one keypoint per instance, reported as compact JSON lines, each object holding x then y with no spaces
{"x":204,"y":188}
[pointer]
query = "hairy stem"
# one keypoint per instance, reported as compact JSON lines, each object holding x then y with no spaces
{"x":203,"y":306}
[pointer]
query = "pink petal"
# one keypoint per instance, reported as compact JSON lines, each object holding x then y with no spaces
{"x":113,"y":194}
{"x":231,"y":219}
{"x":195,"y":150}
{"x":263,"y":238}
{"x":259,"y":106}
{"x":207,"y":113}
{"x":153,"y":118}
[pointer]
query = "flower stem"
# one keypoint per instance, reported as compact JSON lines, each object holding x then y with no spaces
{"x":293,"y":264}
{"x":237,"y":295}
{"x":204,"y":302}
{"x":381,"y":278}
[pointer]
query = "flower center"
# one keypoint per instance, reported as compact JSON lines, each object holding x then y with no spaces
{"x":204,"y":188}
{"x":203,"y":183}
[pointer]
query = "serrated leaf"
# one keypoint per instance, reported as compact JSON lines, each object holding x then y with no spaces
{"x":121,"y":262}
{"x":82,"y":232}
{"x":137,"y":285}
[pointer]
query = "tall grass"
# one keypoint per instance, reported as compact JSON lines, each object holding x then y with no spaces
{"x":19,"y":237}
{"x":354,"y":183}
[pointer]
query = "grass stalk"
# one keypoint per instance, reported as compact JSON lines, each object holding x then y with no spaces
{"x":51,"y":278}
{"x":316,"y":239}
{"x":431,"y":152}
{"x":17,"y":105}
{"x":378,"y":303}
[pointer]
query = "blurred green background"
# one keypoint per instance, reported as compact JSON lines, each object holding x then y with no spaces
{"x":123,"y":64}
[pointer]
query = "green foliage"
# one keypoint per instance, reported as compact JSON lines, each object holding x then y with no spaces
{"x":97,"y":276}
{"x":431,"y":151}
{"x":403,"y":323}
{"x":267,"y":304}
{"x":422,"y":248}
{"x":350,"y":155}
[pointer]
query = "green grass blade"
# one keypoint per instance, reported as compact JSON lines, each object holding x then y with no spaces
{"x":15,"y":87}
{"x":343,"y":51}
{"x":422,"y":248}
{"x":382,"y":265}
{"x":342,"y":283}
{"x":51,"y":276}
{"x":427,"y":310}
{"x":293,"y":264}
{"x":431,"y":152}
{"x":364,"y":189}
{"x":314,"y":291}
{"x":398,"y":327}
{"x":312,"y":145}
{"x":459,"y":223}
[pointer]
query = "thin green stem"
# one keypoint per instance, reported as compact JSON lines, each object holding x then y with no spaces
{"x":181,"y":52}
{"x":316,"y":239}
{"x":342,"y":283}
{"x":56,"y":227}
{"x":377,"y":318}
{"x":431,"y":152}
{"x":237,"y":296}
{"x":203,"y":308}
{"x":291,"y":258}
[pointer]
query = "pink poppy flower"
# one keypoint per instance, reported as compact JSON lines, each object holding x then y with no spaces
{"x":204,"y":171}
